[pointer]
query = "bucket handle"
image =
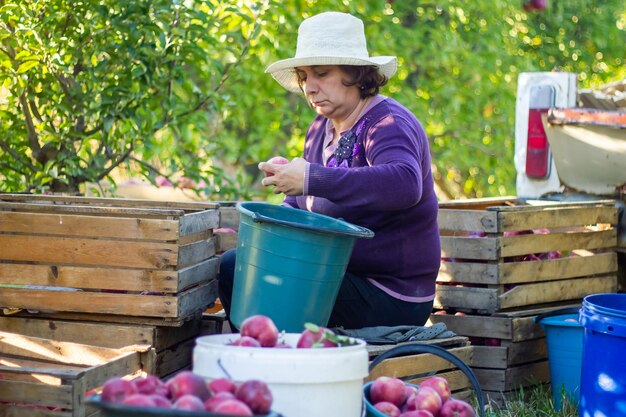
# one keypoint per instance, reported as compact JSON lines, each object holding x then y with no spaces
{"x":413,"y":348}
{"x":360,"y":232}
{"x":559,"y":312}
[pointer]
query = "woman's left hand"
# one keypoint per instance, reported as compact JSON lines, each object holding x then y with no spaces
{"x":287,"y":178}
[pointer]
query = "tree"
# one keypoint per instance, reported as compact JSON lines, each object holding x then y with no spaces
{"x":95,"y":88}
{"x":177,"y":88}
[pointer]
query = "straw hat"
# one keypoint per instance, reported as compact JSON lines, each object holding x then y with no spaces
{"x":329,"y":38}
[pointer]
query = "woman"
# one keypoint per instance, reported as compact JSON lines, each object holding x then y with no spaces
{"x":366,"y":160}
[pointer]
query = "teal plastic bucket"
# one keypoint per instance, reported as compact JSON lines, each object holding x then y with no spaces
{"x":564,"y":340}
{"x":603,"y":389}
{"x":290,"y":264}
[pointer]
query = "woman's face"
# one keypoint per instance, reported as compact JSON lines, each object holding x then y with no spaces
{"x":324,"y":89}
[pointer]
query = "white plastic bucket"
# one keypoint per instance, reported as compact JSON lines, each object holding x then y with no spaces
{"x":304,"y":382}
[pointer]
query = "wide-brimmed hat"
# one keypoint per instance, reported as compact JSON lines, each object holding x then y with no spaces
{"x":329,"y":38}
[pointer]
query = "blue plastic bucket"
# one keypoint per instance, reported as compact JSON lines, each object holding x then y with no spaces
{"x":603,"y":389}
{"x":564,"y":339}
{"x":290,"y":264}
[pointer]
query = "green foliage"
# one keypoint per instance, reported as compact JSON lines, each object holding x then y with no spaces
{"x":108,"y":90}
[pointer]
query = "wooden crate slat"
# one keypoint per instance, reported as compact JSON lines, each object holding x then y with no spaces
{"x":192,"y":223}
{"x":90,"y":302}
{"x":509,"y":354}
{"x":32,"y":393}
{"x":196,"y":252}
{"x":470,"y":248}
{"x":538,"y":243}
{"x":528,"y":271}
{"x":108,"y":278}
{"x":202,"y":295}
{"x":154,"y":213}
{"x":52,"y":350}
{"x":483,"y":299}
{"x":88,"y":226}
{"x":468,"y":221}
{"x":106,"y":202}
{"x":514,"y":377}
{"x":229,"y":216}
{"x":129,"y":254}
{"x":97,"y":334}
{"x":418,"y":364}
{"x":481,"y":203}
{"x":528,"y":217}
{"x":129,"y":363}
{"x":514,"y":329}
{"x":561,"y":290}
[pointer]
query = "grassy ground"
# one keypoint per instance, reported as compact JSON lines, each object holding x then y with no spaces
{"x":532,"y":402}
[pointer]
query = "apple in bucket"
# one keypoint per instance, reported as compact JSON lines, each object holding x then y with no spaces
{"x":423,"y":400}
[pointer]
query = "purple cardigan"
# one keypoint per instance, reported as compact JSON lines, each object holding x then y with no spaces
{"x":388,"y":189}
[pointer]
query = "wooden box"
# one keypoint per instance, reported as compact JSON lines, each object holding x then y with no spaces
{"x":47,"y":378}
{"x":112,"y":257}
{"x":500,"y":254}
{"x":172,"y":346}
{"x":415,"y":368}
{"x":509,"y":348}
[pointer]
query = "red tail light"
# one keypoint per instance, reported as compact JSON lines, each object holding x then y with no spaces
{"x":537,"y":148}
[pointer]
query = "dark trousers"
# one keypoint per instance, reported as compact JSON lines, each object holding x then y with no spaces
{"x":359,"y":303}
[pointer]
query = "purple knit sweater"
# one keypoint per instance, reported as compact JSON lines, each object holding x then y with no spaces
{"x":388,"y":189}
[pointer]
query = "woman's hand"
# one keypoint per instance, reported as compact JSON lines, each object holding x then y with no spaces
{"x":286,"y":178}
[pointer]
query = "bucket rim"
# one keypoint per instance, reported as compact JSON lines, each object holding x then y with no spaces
{"x":561,"y":321}
{"x":350,"y":229}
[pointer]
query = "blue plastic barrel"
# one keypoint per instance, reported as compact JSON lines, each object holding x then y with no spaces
{"x":564,"y":340}
{"x":603,"y":378}
{"x":290,"y":264}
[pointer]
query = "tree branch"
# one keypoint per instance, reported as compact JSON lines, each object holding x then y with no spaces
{"x":17,"y":156}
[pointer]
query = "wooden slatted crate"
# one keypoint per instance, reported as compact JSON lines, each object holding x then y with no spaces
{"x":111,"y":257}
{"x":500,"y":254}
{"x":415,"y":368}
{"x":509,"y":348}
{"x":173,"y":346}
{"x":48,"y":378}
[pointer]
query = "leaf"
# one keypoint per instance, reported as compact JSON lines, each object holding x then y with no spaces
{"x":27,"y":65}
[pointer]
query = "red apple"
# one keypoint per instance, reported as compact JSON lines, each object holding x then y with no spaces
{"x":160,"y":401}
{"x":439,"y":384}
{"x":388,"y":388}
{"x":151,"y":384}
{"x":427,"y":399}
{"x":222,"y":385}
{"x":261,"y":328}
{"x":212,"y":402}
{"x":115,"y":390}
{"x":233,"y":408}
{"x":315,"y":336}
{"x":456,"y":408}
{"x":139,"y":400}
{"x":245,"y":341}
{"x":410,"y":392}
{"x":186,"y":382}
{"x":256,"y":394}
{"x":275,"y":160}
{"x":189,"y":402}
{"x":387,"y":408}
{"x":492,"y":341}
{"x":416,"y":413}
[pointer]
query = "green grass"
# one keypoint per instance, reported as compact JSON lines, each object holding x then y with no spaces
{"x":531,"y":402}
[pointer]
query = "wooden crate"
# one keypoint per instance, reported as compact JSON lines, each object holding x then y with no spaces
{"x":509,"y":348}
{"x":47,"y":378}
{"x":415,"y":368}
{"x":111,"y":257}
{"x":172,"y":346}
{"x":490,"y":273}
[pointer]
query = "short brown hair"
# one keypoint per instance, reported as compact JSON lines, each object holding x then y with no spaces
{"x":367,"y":78}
